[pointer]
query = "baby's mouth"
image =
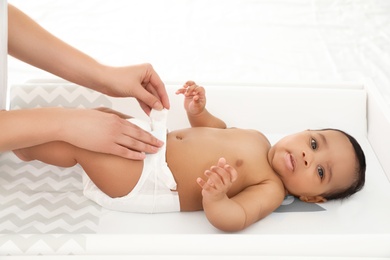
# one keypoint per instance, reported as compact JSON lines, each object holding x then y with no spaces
{"x":290,"y":162}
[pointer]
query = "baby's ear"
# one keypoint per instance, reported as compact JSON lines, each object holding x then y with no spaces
{"x":312,"y":199}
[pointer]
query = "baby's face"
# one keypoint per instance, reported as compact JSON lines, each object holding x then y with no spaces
{"x":312,"y":163}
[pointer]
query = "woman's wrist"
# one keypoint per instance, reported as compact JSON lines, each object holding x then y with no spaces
{"x":66,"y":124}
{"x":100,"y":80}
{"x":92,"y":75}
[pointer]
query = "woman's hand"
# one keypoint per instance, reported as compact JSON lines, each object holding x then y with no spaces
{"x":107,"y":132}
{"x":139,"y":81}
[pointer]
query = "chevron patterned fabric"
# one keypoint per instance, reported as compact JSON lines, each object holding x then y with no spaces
{"x":43,"y":201}
{"x":38,"y":198}
{"x":31,"y":95}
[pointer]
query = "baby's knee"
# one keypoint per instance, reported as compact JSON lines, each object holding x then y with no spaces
{"x":22,"y":155}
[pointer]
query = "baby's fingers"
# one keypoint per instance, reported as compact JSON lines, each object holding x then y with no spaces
{"x":214,"y":179}
{"x":229,"y":169}
{"x":223,"y":175}
{"x":208,"y":185}
{"x":181,"y":91}
{"x":189,"y":83}
{"x":191,"y":91}
{"x":232,"y":172}
{"x":221,"y":162}
{"x":201,"y":182}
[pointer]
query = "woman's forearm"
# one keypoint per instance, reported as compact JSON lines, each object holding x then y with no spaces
{"x":89,"y":129}
{"x":25,"y":128}
{"x":31,"y":43}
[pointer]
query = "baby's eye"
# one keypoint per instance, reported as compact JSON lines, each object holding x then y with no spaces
{"x":313,"y":144}
{"x":320,"y":172}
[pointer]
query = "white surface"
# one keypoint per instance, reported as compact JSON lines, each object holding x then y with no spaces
{"x":3,"y":55}
{"x":378,"y":115}
{"x":360,"y":224}
{"x":189,"y":257}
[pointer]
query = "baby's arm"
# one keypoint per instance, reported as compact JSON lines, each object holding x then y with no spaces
{"x":195,"y":105}
{"x":242,"y":210}
{"x":221,"y":211}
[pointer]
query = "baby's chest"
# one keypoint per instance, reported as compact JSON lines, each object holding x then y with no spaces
{"x":252,"y":169}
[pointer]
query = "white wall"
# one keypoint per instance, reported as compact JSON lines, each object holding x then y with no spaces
{"x":233,"y":41}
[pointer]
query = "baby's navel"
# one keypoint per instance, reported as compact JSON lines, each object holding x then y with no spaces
{"x":178,"y":137}
{"x":239,"y":162}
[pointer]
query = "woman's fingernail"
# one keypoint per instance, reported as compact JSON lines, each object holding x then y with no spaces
{"x":158,"y":106}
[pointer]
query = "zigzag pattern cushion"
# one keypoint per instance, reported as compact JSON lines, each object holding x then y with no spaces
{"x":31,"y":95}
{"x":42,"y":200}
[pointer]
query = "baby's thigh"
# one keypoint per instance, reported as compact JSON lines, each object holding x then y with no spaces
{"x":55,"y":153}
{"x":115,"y":176}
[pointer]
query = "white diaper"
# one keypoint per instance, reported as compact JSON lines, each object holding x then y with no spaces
{"x":153,"y":192}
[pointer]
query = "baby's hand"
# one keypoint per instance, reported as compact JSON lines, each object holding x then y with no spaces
{"x":195,"y":98}
{"x":220,"y":179}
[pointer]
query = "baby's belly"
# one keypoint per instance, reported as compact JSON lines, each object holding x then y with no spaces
{"x":192,"y":151}
{"x":194,"y":148}
{"x":187,"y":159}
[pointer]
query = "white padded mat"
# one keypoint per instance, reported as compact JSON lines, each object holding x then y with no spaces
{"x":47,"y":213}
{"x":365,"y":213}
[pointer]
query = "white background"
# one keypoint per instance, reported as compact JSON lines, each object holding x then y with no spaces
{"x":225,"y":41}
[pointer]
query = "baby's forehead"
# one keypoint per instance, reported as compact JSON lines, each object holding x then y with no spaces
{"x":334,"y":139}
{"x":330,"y":134}
{"x":341,"y":154}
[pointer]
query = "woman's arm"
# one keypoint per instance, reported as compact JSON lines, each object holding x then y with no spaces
{"x":195,"y":105}
{"x":31,"y":43}
{"x":80,"y":127}
{"x":24,"y":128}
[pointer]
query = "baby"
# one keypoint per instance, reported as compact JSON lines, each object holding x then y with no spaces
{"x":233,"y":174}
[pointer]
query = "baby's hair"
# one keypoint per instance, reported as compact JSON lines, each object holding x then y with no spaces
{"x":358,"y":184}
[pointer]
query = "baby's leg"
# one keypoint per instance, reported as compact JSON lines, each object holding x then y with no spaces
{"x":55,"y":153}
{"x":114,"y":175}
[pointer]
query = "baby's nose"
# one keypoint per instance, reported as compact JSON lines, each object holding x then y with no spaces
{"x":306,"y":158}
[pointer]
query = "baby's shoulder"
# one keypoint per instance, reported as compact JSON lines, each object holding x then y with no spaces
{"x":274,"y":187}
{"x":269,"y":194}
{"x":259,"y":136}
